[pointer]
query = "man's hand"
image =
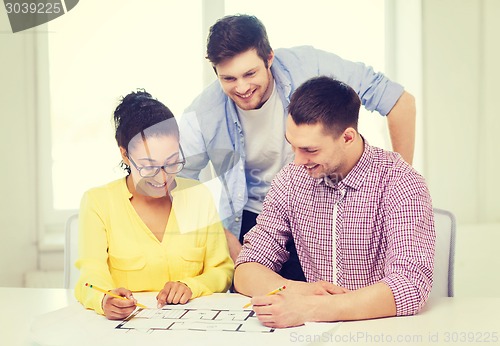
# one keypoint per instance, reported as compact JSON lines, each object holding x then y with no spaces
{"x":118,"y":309}
{"x":292,"y":306}
{"x":281,"y":310}
{"x":174,"y":292}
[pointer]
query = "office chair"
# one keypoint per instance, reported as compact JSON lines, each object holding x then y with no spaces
{"x":444,"y":258}
{"x":71,"y":273}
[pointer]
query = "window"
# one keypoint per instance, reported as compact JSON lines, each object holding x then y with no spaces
{"x":98,"y":52}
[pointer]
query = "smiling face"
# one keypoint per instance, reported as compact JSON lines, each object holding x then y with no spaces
{"x":152,"y":151}
{"x":246,"y":79}
{"x":320,"y":153}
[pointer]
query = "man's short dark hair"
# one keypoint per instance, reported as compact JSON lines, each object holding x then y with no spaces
{"x":236,"y":34}
{"x":325,"y":100}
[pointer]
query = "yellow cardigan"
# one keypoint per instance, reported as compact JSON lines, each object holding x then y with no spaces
{"x":117,"y":249}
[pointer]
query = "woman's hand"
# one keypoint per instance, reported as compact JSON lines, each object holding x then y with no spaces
{"x":118,"y":309}
{"x":174,"y":292}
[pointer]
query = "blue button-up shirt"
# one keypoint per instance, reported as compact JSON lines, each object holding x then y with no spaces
{"x":211,"y":131}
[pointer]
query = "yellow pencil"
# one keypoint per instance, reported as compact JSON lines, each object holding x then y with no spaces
{"x":113,"y":295}
{"x":269,"y":294}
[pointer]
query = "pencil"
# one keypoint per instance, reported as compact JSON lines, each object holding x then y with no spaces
{"x":113,"y":295}
{"x":269,"y":294}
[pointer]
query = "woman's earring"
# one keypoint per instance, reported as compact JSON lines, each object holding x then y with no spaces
{"x":125,"y":167}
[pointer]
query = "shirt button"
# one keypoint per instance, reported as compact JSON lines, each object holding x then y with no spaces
{"x":237,"y":219}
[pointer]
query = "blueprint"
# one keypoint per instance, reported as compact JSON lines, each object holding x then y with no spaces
{"x":169,"y":318}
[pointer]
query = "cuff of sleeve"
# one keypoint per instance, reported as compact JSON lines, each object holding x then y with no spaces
{"x":393,"y":92}
{"x":246,"y":256}
{"x":197,"y":288}
{"x":406,"y":296}
{"x":91,"y":300}
{"x":98,"y":307}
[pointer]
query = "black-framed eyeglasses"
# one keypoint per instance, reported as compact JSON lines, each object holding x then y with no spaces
{"x":151,"y":171}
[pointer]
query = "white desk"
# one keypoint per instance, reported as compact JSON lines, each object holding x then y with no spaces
{"x":450,"y":321}
{"x":443,"y":321}
{"x":21,"y":305}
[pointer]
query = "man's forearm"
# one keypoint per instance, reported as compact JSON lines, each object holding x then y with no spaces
{"x":401,"y":122}
{"x":253,"y":279}
{"x":368,"y":302}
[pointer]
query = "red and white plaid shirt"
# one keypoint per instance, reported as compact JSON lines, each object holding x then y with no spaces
{"x":384,"y":229}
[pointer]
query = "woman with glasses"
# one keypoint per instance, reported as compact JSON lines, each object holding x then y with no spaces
{"x":149,"y":231}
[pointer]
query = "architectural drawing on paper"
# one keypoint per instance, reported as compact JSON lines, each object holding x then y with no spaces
{"x":194,"y":319}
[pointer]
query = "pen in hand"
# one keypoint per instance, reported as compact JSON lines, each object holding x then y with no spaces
{"x":113,"y":295}
{"x":269,"y":294}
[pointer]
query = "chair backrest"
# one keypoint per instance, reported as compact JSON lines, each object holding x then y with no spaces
{"x":71,"y":273}
{"x":445,"y":225}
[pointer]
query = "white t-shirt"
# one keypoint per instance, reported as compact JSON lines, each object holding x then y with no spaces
{"x":266,"y":149}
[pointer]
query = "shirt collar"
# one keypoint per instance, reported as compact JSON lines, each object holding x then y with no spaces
{"x":281,"y":79}
{"x":358,"y":173}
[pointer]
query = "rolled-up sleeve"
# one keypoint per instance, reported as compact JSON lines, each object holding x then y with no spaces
{"x":376,"y":91}
{"x":410,"y":250}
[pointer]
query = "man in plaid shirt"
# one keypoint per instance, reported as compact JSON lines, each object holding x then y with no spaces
{"x":361,"y":219}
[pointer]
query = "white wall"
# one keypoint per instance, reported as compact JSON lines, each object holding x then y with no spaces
{"x":461,"y":117}
{"x":17,"y":152}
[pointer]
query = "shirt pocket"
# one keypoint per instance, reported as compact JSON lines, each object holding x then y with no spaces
{"x":127,"y":263}
{"x":193,"y":259}
{"x":126,"y":270}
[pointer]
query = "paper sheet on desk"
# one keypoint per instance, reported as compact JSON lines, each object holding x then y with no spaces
{"x":74,"y":325}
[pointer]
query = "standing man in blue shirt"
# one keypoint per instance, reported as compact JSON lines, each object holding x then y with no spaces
{"x":238,"y":122}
